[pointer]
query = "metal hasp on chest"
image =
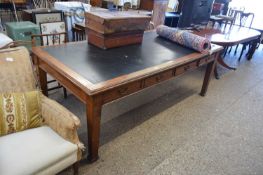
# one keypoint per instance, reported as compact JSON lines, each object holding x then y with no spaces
{"x":97,"y":76}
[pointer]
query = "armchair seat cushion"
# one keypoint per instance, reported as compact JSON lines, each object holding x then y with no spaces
{"x":35,"y":151}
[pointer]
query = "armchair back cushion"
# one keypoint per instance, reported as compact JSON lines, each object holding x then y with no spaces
{"x":16,"y":73}
{"x":19,"y":111}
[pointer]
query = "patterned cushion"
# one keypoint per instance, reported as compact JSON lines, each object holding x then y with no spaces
{"x":19,"y":111}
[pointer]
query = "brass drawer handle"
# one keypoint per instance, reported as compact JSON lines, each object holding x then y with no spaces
{"x":187,"y":67}
{"x":123,"y":91}
{"x":158,"y":78}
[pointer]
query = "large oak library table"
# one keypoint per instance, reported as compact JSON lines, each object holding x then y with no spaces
{"x":97,"y":76}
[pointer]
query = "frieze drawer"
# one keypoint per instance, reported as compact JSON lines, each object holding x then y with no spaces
{"x":205,"y":60}
{"x":158,"y":78}
{"x":186,"y":67}
{"x":122,"y":91}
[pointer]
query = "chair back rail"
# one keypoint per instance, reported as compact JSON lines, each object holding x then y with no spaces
{"x":46,"y":37}
{"x":78,"y":34}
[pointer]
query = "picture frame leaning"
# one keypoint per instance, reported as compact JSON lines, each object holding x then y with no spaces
{"x":47,"y":16}
{"x":55,"y":33}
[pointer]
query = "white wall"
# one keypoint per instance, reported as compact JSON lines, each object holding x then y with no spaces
{"x":254,"y":6}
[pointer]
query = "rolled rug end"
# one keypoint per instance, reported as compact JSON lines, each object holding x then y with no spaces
{"x":184,"y":38}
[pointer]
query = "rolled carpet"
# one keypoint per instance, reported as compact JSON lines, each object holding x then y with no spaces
{"x":184,"y":38}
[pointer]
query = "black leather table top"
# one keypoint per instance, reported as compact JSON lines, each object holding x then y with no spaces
{"x":97,"y":65}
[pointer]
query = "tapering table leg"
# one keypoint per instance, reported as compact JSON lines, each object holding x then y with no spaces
{"x":94,"y":107}
{"x":43,"y":81}
{"x":253,"y":48}
{"x":216,"y":72}
{"x":208,"y":73}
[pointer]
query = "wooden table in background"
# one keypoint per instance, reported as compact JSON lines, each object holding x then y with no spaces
{"x":97,"y":76}
{"x":230,"y":37}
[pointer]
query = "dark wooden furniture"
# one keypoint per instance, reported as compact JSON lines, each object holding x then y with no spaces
{"x":96,"y":3}
{"x":97,"y":76}
{"x":157,"y":6}
{"x":80,"y":26}
{"x":13,"y":6}
{"x":230,"y":18}
{"x":217,"y":8}
{"x":44,"y":38}
{"x":146,"y":5}
{"x":41,"y":15}
{"x":259,"y":27}
{"x":27,"y":14}
{"x":114,"y":29}
{"x":244,"y":19}
{"x":230,"y":37}
{"x":214,"y":19}
{"x":171,"y":19}
{"x":15,"y":1}
{"x":78,"y":34}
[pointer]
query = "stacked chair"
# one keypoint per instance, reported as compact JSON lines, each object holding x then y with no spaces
{"x":246,"y":20}
{"x":49,"y":40}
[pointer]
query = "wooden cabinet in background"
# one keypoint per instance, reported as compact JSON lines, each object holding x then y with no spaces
{"x":15,"y":1}
{"x":97,"y":3}
{"x":146,"y":5}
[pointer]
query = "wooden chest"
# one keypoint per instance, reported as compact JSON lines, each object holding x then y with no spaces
{"x":108,"y":29}
{"x":15,"y":1}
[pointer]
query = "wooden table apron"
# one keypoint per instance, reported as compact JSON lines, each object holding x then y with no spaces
{"x":96,"y":95}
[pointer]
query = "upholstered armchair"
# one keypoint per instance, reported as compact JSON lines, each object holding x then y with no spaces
{"x":47,"y":149}
{"x":4,"y":40}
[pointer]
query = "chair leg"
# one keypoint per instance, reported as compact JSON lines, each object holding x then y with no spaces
{"x":225,"y":51}
{"x":65,"y":92}
{"x":236,"y":50}
{"x":213,"y":24}
{"x":76,"y":168}
{"x":230,"y":50}
{"x":249,"y":49}
{"x":243,"y":48}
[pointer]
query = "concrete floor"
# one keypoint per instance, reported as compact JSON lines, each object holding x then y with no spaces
{"x":170,"y":129}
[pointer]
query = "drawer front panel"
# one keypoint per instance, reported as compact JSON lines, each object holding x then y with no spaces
{"x":138,"y":85}
{"x":158,"y":78}
{"x":184,"y":68}
{"x":122,"y":91}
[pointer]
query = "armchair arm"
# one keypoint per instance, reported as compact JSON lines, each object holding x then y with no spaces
{"x":62,"y":121}
{"x":16,"y":44}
